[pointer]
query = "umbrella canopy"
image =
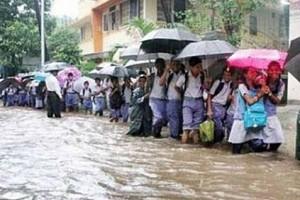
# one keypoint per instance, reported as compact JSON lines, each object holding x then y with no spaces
{"x":294,"y":49}
{"x":6,"y":82}
{"x":105,"y":64}
{"x":115,"y":71}
{"x":62,"y":76}
{"x":40,"y":76}
{"x":55,"y":66}
{"x":167,"y":40}
{"x":79,"y":84}
{"x":293,"y":66}
{"x":207,"y":49}
{"x":139,"y":64}
{"x":131,"y":52}
{"x":257,"y":58}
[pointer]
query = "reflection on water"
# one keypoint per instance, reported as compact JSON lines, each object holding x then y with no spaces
{"x":89,"y":158}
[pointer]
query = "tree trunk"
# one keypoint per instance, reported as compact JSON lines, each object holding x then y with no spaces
{"x":37,"y":4}
{"x":166,"y":14}
{"x":213,"y":16}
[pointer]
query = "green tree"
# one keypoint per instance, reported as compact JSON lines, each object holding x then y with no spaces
{"x":142,"y":26}
{"x":226,"y":15}
{"x":17,"y":40}
{"x":64,"y":46}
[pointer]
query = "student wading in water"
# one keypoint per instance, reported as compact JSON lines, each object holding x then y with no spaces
{"x":218,"y":98}
{"x":193,"y":105}
{"x":174,"y":104}
{"x":158,"y":99}
{"x":140,"y":115}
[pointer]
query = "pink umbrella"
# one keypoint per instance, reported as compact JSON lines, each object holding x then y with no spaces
{"x":257,"y":58}
{"x":62,"y":76}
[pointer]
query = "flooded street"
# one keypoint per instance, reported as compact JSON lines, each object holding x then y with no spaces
{"x":81,"y":157}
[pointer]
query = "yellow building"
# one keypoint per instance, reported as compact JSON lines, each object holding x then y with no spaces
{"x":102,"y":23}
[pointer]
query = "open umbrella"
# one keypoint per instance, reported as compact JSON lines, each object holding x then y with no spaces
{"x":207,"y":49}
{"x":167,"y":40}
{"x":257,"y":58}
{"x":6,"y":82}
{"x":106,"y":64}
{"x":40,"y":76}
{"x":294,"y":49}
{"x":62,"y":76}
{"x":55,"y":66}
{"x":141,"y":64}
{"x":131,"y":52}
{"x":293,"y":66}
{"x":116,"y":71}
{"x":79,"y":84}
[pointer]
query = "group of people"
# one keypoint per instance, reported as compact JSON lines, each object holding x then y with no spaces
{"x":32,"y":96}
{"x":181,"y":98}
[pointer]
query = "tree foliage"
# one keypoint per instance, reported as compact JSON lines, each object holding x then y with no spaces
{"x":64,"y":46}
{"x":19,"y":33}
{"x":142,"y":26}
{"x":18,"y":39}
{"x":226,"y":15}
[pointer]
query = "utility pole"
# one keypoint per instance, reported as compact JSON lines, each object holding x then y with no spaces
{"x":42,"y":33}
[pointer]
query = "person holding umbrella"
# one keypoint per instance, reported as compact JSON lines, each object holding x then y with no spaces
{"x":174,"y":105}
{"x":158,"y":99}
{"x":54,"y":95}
{"x":99,"y":97}
{"x":273,"y":134}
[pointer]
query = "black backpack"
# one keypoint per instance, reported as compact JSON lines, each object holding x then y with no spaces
{"x":220,"y":88}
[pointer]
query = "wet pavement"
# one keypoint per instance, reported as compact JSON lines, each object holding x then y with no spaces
{"x":81,"y":157}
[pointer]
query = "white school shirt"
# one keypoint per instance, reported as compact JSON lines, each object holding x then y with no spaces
{"x":99,"y":89}
{"x":173,"y":94}
{"x":11,"y":91}
{"x":52,"y":85}
{"x":222,"y":97}
{"x":194,"y":86}
{"x":86,"y":92}
{"x":158,"y":91}
{"x":69,"y":89}
{"x":127,"y":94}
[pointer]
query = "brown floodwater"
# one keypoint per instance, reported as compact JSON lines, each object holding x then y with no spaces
{"x":79,"y":157}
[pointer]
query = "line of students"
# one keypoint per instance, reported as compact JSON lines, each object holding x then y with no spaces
{"x":32,"y":96}
{"x":176,"y":97}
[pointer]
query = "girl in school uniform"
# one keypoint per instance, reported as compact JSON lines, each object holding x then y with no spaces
{"x":126,"y":94}
{"x":158,"y":99}
{"x":86,"y":95}
{"x":99,"y":97}
{"x":10,"y":95}
{"x":247,"y":94}
{"x":273,"y":134}
{"x":193,"y":105}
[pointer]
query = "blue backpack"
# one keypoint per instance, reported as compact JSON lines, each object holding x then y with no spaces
{"x":255,"y":116}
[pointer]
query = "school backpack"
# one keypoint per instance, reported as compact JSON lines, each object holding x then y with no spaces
{"x":220,"y":88}
{"x":116,"y":100}
{"x":255,"y":116}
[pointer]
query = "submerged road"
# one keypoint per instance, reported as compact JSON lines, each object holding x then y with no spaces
{"x":80,"y":157}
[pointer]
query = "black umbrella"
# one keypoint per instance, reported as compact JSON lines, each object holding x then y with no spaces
{"x":6,"y":82}
{"x":207,"y":49}
{"x":167,"y":40}
{"x":294,"y":49}
{"x":293,"y":66}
